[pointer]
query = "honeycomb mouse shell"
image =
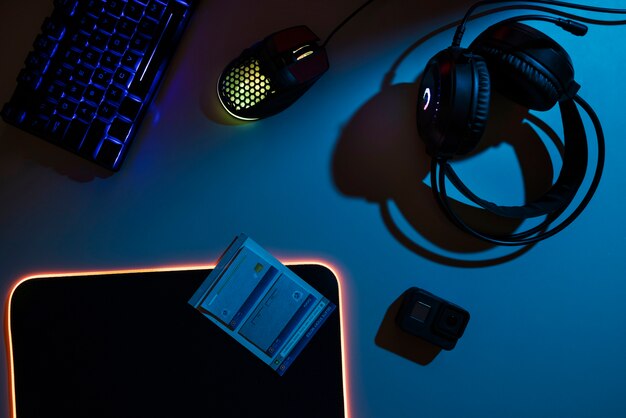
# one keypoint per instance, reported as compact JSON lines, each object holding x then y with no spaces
{"x":272,"y":74}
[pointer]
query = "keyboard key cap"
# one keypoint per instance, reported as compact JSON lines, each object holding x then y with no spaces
{"x":65,"y":7}
{"x":29,"y":79}
{"x":155,"y":10}
{"x":13,"y":114}
{"x":56,"y":128}
{"x":139,"y":44}
{"x":86,"y":111}
{"x":147,"y":27}
{"x":59,"y":73}
{"x":110,"y":61}
{"x":134,"y":10}
{"x":102,"y":77}
{"x":74,"y":134}
{"x":115,"y":7}
{"x":92,"y":140}
{"x":123,"y":77}
{"x":126,"y":27}
{"x":87,"y":23}
{"x":109,"y":153}
{"x":69,"y":56}
{"x":107,"y":111}
{"x":94,"y":94}
{"x":131,"y":60}
{"x":45,"y":108}
{"x":115,"y":94}
{"x":45,"y":44}
{"x":118,"y":44}
{"x":53,"y":90}
{"x":94,"y":7}
{"x":78,"y":40}
{"x":82,"y":74}
{"x":37,"y":61}
{"x":130,"y":108}
{"x":35,"y":123}
{"x":90,"y":57}
{"x":120,"y":129}
{"x":54,"y":28}
{"x":99,"y":40}
{"x":107,"y":23}
{"x":67,"y":108}
{"x":75,"y":91}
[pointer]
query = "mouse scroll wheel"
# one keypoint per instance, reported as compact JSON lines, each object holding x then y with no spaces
{"x":303,"y":52}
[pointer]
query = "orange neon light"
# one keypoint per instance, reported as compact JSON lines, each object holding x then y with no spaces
{"x":9,"y":341}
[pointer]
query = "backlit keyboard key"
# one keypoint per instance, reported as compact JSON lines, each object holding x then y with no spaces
{"x":134,"y":10}
{"x":131,"y":60}
{"x":107,"y":23}
{"x":115,"y":94}
{"x":67,"y":108}
{"x":126,"y":27}
{"x":75,"y":134}
{"x":82,"y":74}
{"x":86,"y":111}
{"x":94,"y":136}
{"x":110,"y":61}
{"x":56,"y":128}
{"x":107,"y":111}
{"x":102,"y":77}
{"x":123,"y":77}
{"x":120,"y":129}
{"x":115,"y":7}
{"x":94,"y":94}
{"x":130,"y":108}
{"x":118,"y":44}
{"x":109,"y":153}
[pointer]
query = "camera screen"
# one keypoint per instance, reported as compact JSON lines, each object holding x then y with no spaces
{"x":420,"y":311}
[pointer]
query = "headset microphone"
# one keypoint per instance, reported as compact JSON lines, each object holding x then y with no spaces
{"x":575,"y":28}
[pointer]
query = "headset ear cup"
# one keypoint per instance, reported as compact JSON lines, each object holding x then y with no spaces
{"x":526,"y":65}
{"x":453,"y":106}
{"x":480,"y":112}
{"x":521,"y":81}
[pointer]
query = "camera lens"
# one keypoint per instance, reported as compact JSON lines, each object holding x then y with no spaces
{"x":451,"y":322}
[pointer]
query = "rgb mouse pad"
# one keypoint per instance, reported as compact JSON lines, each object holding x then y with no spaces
{"x":129,"y":345}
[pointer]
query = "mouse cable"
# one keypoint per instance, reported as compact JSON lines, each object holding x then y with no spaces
{"x":346,"y":20}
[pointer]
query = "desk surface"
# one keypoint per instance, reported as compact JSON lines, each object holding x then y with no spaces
{"x":339,"y":176}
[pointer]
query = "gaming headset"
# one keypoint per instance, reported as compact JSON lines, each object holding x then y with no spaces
{"x":529,"y":68}
{"x":523,"y":64}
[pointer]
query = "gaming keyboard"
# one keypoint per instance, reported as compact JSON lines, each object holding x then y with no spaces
{"x":93,"y":72}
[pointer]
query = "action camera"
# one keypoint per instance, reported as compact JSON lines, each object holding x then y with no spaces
{"x":431,"y":318}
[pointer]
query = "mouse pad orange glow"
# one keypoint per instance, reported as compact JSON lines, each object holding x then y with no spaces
{"x":129,"y":345}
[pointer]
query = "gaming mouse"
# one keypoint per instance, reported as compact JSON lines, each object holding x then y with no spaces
{"x":272,"y":74}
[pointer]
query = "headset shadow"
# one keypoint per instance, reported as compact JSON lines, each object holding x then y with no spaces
{"x":380,"y":157}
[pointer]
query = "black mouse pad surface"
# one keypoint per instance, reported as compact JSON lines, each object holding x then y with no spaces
{"x":129,"y":345}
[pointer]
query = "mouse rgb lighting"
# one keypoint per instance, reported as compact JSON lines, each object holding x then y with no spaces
{"x":244,"y":86}
{"x":272,"y":74}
